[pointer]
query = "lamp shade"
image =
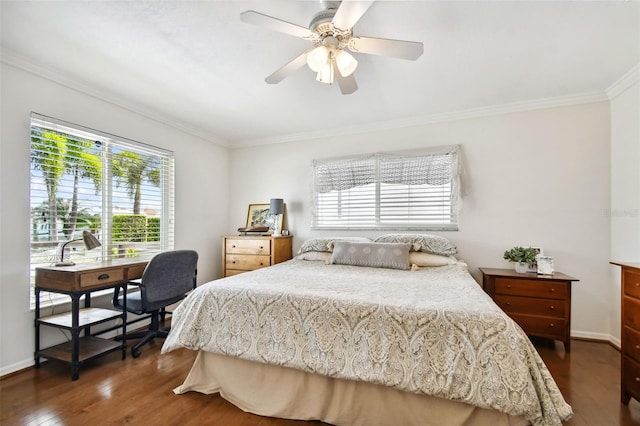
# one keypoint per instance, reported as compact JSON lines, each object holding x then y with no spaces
{"x":90,"y":240}
{"x":325,"y":75}
{"x":276,"y":206}
{"x":345,"y":62}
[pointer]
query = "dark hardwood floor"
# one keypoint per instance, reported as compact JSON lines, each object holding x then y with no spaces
{"x":139,"y":391}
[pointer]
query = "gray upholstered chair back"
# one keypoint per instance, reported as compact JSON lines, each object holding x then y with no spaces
{"x":167,"y":278}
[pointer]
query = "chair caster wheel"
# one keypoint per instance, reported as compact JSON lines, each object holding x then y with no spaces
{"x":135,"y":353}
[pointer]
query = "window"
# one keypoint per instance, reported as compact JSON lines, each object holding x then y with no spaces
{"x":81,"y":179}
{"x":388,"y":191}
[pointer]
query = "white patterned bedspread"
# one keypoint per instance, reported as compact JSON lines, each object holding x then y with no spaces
{"x":432,"y":331}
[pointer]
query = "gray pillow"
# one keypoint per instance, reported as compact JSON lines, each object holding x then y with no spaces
{"x":374,"y":255}
{"x":422,"y":242}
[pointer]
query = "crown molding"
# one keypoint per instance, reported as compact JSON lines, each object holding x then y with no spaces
{"x":11,"y":58}
{"x":486,"y":111}
{"x":623,"y":83}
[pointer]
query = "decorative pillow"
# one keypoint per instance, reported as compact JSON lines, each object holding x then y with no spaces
{"x":422,"y":242}
{"x":315,"y":255}
{"x":427,"y":259}
{"x":326,"y":243}
{"x":375,"y":255}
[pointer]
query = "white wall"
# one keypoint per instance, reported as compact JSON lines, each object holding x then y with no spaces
{"x":536,"y":178}
{"x":625,"y":189}
{"x":201,"y":180}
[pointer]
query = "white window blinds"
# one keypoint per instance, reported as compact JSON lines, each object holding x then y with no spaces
{"x":120,"y":190}
{"x":388,"y":191}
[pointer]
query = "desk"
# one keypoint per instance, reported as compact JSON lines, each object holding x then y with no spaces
{"x":77,"y":281}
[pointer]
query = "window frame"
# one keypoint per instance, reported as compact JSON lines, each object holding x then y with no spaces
{"x":107,"y":146}
{"x":347,"y":173}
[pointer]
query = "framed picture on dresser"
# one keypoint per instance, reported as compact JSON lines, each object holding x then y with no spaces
{"x":258,"y":215}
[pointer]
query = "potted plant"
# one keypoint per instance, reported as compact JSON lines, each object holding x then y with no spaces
{"x":521,"y":257}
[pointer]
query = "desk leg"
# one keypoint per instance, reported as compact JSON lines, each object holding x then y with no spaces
{"x":124,"y":321}
{"x":75,"y":336}
{"x":36,"y":353}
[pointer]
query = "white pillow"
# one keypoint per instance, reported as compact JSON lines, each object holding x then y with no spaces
{"x":326,"y":243}
{"x":427,"y":259}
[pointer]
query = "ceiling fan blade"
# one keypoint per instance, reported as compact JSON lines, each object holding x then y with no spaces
{"x":347,"y":84}
{"x":385,"y":47}
{"x":288,"y":68}
{"x":350,"y":12}
{"x":275,"y":24}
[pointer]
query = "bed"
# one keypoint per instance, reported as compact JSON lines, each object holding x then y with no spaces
{"x":350,"y":344}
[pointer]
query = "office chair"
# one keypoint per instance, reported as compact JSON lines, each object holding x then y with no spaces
{"x":166,"y":280}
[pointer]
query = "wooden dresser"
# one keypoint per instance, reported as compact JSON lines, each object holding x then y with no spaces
{"x":540,"y":304}
{"x":247,"y":253}
{"x":630,"y":331}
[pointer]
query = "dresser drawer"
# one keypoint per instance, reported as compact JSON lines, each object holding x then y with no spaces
{"x":631,"y":377}
{"x":247,"y":262}
{"x":527,"y":305}
{"x":531,"y":288}
{"x":631,"y":283}
{"x":631,"y":312}
{"x":631,"y":343}
{"x":247,"y":246}
{"x":553,"y":328}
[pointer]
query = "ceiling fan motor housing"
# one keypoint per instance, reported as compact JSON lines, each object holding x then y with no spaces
{"x":321,"y":24}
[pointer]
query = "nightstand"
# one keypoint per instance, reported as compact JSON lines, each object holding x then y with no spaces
{"x":247,"y":253}
{"x":540,"y":304}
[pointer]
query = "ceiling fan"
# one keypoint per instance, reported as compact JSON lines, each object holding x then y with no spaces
{"x":330,"y":31}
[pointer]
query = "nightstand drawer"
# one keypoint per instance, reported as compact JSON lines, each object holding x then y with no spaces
{"x":631,"y":283}
{"x":247,"y":262}
{"x":532,"y":306}
{"x":248,"y":246}
{"x":531,"y":288}
{"x":553,"y":328}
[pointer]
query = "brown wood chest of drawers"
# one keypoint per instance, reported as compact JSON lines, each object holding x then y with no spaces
{"x":540,"y":304}
{"x":630,"y":331}
{"x":247,"y":253}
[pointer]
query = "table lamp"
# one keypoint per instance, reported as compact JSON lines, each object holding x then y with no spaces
{"x":90,"y":242}
{"x":276,"y":207}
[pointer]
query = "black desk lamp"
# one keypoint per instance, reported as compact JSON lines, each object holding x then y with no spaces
{"x":90,"y":242}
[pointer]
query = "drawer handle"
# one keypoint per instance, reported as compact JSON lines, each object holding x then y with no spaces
{"x":103,"y":276}
{"x":637,"y":379}
{"x":261,"y":264}
{"x":551,"y":325}
{"x":637,"y":346}
{"x":261,"y":247}
{"x":637,"y":284}
{"x":233,"y":261}
{"x":508,"y":285}
{"x":233,"y":246}
{"x":508,"y":303}
{"x":553,"y":290}
{"x":552,"y":308}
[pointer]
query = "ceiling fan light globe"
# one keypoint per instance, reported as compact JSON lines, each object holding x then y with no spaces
{"x":318,"y":58}
{"x":325,"y":75}
{"x":346,"y":63}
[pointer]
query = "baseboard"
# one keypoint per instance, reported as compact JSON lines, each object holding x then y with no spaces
{"x":596,"y":337}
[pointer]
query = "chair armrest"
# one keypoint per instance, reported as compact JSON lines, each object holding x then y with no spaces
{"x":116,"y":293}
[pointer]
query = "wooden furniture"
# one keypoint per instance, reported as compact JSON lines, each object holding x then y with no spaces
{"x":630,"y":331}
{"x":540,"y":304}
{"x":247,"y":253}
{"x":77,"y":281}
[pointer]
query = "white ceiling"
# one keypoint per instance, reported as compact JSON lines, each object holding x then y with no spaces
{"x":196,"y":65}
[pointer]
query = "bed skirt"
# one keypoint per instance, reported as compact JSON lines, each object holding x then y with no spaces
{"x":276,"y":391}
